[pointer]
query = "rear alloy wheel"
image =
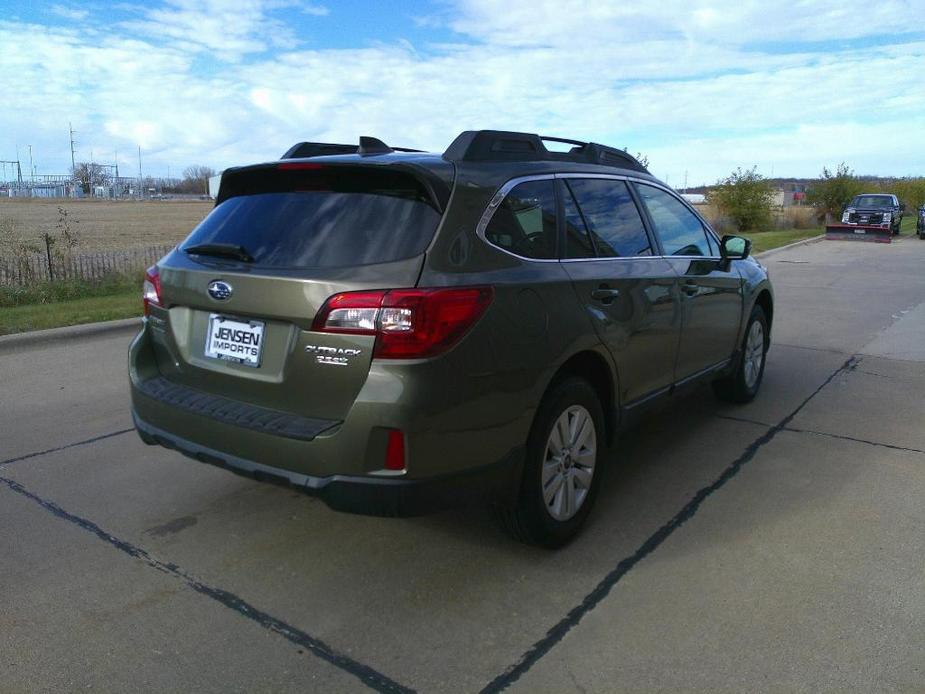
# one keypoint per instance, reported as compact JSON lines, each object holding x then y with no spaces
{"x":742,"y":385}
{"x":561,"y":472}
{"x":568,"y":470}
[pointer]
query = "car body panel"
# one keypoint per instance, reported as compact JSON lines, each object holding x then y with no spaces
{"x":711,"y":312}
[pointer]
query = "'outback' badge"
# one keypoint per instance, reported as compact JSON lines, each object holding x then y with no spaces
{"x":220,"y":291}
{"x":335,"y":356}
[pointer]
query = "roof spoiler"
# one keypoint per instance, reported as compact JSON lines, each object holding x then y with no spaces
{"x":502,"y":145}
{"x":369,"y":146}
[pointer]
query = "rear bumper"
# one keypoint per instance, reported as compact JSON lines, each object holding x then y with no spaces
{"x":859,"y":232}
{"x":496,"y":483}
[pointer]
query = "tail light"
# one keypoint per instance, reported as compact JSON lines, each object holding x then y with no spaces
{"x":407,"y":323}
{"x":151,"y":289}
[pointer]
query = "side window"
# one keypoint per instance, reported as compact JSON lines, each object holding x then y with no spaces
{"x":525,"y":223}
{"x":714,"y":247}
{"x":577,"y":242}
{"x":611,"y":216}
{"x":678,"y":228}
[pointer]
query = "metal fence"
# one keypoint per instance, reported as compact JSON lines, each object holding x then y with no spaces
{"x":25,"y":270}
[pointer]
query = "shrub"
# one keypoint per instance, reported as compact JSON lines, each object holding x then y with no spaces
{"x":745,"y":197}
{"x":833,"y":191}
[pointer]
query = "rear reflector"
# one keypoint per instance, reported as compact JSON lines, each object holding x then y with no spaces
{"x":151,"y":289}
{"x":395,"y":451}
{"x":407,"y":323}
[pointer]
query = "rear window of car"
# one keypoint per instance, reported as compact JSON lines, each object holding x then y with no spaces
{"x":320,"y":219}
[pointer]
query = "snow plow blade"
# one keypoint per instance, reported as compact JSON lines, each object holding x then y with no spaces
{"x":858,"y":232}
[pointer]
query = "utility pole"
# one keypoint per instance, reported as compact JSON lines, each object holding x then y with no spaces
{"x":140,"y":193}
{"x":73,"y":164}
{"x":31,"y":166}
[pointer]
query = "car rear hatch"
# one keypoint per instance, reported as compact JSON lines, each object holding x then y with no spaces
{"x":240,"y":295}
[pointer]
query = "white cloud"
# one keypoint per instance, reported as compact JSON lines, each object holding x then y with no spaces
{"x":683,"y":82}
{"x":315,"y":10}
{"x":72,"y":13}
{"x":229,"y":29}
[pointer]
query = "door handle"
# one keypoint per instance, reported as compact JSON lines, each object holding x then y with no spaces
{"x":605,"y":294}
{"x":690,"y":288}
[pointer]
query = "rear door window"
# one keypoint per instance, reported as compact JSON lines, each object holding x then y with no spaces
{"x":310,"y":219}
{"x":577,"y":240}
{"x":525,"y":223}
{"x":679,"y":229}
{"x":611,"y":217}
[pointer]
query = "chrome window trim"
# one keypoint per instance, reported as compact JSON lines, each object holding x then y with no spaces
{"x":506,"y":188}
{"x":493,"y":205}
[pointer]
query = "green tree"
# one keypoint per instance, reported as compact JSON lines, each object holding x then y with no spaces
{"x":833,"y":191}
{"x":744,"y":196}
{"x":910,"y":191}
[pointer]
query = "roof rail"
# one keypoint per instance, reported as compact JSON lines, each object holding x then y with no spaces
{"x":502,"y":145}
{"x":368,"y":146}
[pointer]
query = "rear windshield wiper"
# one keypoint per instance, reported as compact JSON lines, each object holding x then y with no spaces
{"x":221,"y":250}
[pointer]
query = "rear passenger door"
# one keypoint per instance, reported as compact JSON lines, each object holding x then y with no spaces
{"x":628,"y":291}
{"x":711,"y":291}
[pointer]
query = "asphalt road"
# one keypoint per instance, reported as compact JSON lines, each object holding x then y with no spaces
{"x":778,"y":546}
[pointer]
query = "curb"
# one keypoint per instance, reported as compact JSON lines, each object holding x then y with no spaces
{"x":803,"y":242}
{"x":70,"y":332}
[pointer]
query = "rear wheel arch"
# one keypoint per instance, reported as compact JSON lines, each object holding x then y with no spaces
{"x":594,"y":368}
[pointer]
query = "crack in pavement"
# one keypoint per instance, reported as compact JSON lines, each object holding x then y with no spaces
{"x":4,"y":463}
{"x":812,"y":349}
{"x":558,"y":631}
{"x":852,"y":438}
{"x":744,"y":420}
{"x":369,"y":676}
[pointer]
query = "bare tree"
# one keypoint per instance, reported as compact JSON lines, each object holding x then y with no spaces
{"x":196,"y":178}
{"x":89,"y":174}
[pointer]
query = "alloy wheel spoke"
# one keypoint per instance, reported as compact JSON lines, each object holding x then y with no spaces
{"x":583,"y":476}
{"x":558,"y":504}
{"x":562,"y":424}
{"x":587,"y":426}
{"x":550,"y":470}
{"x":551,"y":490}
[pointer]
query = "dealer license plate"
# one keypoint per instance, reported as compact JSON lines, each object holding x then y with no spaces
{"x":235,"y":340}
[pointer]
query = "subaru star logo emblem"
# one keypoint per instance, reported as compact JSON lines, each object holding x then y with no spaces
{"x":220,"y":291}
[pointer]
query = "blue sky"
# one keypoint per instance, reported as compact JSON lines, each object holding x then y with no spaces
{"x":698,"y":87}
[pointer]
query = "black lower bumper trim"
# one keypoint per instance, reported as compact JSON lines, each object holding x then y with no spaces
{"x":496,"y":483}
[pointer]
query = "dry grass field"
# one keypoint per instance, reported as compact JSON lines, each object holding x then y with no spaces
{"x":786,"y":218}
{"x":106,"y":224}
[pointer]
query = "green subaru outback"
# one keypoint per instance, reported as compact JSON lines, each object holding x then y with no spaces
{"x":398,"y":331}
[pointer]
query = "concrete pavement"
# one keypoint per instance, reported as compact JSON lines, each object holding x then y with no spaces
{"x":776,"y":546}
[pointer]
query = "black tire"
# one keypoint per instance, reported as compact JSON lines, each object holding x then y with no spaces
{"x":531,"y":519}
{"x":742,"y":386}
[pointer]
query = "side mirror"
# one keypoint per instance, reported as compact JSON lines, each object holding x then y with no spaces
{"x":735,"y":247}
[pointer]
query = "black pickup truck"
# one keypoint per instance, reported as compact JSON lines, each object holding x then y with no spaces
{"x":874,"y":209}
